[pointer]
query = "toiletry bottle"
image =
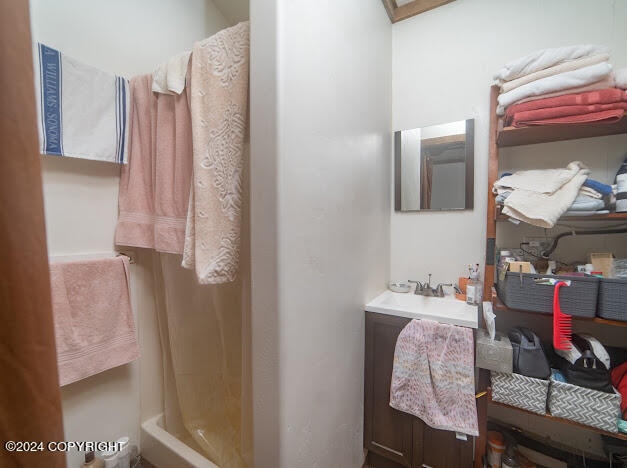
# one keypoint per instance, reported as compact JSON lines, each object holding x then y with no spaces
{"x":124,"y":455}
{"x":91,"y":461}
{"x":110,"y":458}
{"x":509,"y":459}
{"x":474,"y":288}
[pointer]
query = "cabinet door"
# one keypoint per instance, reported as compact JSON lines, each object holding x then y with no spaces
{"x":439,"y":449}
{"x":387,"y":432}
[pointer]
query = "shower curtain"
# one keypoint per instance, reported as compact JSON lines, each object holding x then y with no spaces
{"x":205,"y":340}
{"x":204,"y":328}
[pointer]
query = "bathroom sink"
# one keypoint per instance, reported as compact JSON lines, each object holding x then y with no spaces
{"x":445,"y":309}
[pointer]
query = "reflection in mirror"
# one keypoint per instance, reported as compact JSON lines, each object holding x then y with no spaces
{"x":434,"y":167}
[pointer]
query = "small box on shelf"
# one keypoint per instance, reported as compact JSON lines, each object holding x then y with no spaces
{"x":520,"y":391}
{"x":520,"y":291}
{"x":495,"y":355}
{"x":584,"y":405}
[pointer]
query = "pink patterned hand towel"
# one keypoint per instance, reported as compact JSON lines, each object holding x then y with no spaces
{"x":219,"y":105}
{"x":93,"y":322}
{"x":433,"y":376}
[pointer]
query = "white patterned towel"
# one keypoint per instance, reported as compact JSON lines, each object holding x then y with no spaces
{"x":433,"y":376}
{"x":83,"y":111}
{"x":219,"y":103}
{"x":546,"y":58}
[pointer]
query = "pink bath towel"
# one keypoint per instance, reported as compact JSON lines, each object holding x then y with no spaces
{"x":433,"y":376}
{"x":154,"y":186}
{"x":93,"y":321}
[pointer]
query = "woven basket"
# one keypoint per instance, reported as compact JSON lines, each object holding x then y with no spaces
{"x":612,"y":299}
{"x":520,"y":391}
{"x":520,"y":291}
{"x":584,"y":405}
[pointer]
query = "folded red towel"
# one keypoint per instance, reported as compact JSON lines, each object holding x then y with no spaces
{"x":601,"y":96}
{"x":606,"y":116}
{"x":570,"y":114}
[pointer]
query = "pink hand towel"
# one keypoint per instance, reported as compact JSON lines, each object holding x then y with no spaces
{"x":155,"y":184}
{"x":93,"y":321}
{"x":433,"y":376}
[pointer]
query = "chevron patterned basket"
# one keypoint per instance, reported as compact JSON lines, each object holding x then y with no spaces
{"x":585,"y":406}
{"x":520,"y":391}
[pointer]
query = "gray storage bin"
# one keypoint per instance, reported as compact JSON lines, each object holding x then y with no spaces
{"x":612,"y":299}
{"x":520,"y":391}
{"x":519,"y":291}
{"x":584,"y":405}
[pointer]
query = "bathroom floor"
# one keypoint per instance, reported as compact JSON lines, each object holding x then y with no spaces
{"x":144,"y":464}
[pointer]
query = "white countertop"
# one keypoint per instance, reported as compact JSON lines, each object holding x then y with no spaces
{"x":445,"y":309}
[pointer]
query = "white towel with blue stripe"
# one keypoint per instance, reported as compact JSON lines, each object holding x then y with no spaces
{"x":83,"y":111}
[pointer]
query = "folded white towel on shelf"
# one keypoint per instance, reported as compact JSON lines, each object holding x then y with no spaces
{"x":607,"y":82}
{"x":539,"y":197}
{"x":589,"y":192}
{"x":585,"y":213}
{"x":545,"y":58}
{"x":585,"y":203}
{"x":621,"y":78}
{"x":554,"y":70}
{"x":540,"y":180}
{"x":566,"y":80}
{"x":83,"y":111}
{"x":169,"y":77}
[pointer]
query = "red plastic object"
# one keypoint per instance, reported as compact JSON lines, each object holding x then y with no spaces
{"x":562,"y":323}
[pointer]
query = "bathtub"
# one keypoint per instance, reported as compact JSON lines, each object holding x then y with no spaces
{"x":163,"y":450}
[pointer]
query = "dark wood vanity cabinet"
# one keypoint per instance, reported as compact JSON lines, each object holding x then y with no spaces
{"x":393,"y":438}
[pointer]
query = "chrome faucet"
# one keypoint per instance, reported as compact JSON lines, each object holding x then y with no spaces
{"x":426,"y":289}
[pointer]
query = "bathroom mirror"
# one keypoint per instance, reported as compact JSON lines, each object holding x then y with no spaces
{"x":434,"y":167}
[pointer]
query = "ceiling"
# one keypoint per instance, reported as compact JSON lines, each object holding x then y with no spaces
{"x":399,"y":10}
{"x":233,"y":10}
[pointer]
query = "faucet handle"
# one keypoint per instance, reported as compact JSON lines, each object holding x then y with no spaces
{"x":439,"y":289}
{"x":419,"y":286}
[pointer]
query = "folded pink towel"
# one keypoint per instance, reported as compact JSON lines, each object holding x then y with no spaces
{"x":433,"y":376}
{"x":155,"y":184}
{"x":93,"y":322}
{"x":600,"y":116}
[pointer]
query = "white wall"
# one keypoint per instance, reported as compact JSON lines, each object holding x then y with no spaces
{"x":320,"y":170}
{"x":125,"y":38}
{"x":443,"y":62}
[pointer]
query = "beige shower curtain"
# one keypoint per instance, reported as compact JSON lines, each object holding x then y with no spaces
{"x":205,"y":339}
{"x":205,"y":331}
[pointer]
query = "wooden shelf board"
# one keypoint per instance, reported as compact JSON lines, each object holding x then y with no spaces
{"x":497,"y":305}
{"x":616,"y":435}
{"x":512,"y":136}
{"x":498,"y":216}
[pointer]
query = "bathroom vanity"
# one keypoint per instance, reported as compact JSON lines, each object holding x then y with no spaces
{"x":394,"y":438}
